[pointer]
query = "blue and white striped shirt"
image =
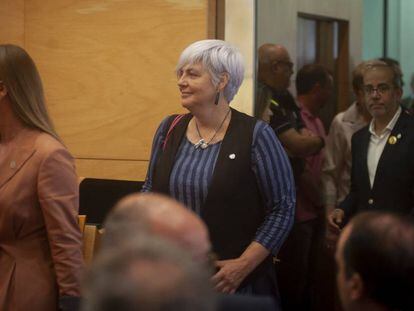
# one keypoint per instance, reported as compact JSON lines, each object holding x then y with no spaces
{"x":193,"y":170}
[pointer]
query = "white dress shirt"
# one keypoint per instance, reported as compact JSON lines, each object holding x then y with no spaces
{"x":377,"y":144}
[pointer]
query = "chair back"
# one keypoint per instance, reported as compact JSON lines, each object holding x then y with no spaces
{"x":98,"y":196}
{"x":91,"y":237}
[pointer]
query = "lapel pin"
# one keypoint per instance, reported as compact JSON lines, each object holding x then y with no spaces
{"x":399,"y":136}
{"x":13,"y":164}
{"x":232,"y":156}
{"x":392,"y":140}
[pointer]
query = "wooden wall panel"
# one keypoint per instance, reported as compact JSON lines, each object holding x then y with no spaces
{"x":108,"y":70}
{"x":12,"y":22}
{"x":112,"y":169}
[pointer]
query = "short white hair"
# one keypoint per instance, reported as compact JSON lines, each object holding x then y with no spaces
{"x":217,"y":57}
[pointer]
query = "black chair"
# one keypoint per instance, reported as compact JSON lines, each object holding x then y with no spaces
{"x":98,"y":196}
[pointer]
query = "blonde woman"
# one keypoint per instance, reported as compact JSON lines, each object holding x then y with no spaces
{"x":40,"y":242}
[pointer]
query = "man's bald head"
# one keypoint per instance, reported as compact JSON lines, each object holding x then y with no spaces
{"x":275,"y":66}
{"x":269,"y":52}
{"x":159,"y":215}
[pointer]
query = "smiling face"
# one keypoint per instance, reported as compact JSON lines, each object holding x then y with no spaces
{"x":196,"y":86}
{"x":381,"y":96}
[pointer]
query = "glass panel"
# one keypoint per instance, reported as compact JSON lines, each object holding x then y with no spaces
{"x":306,"y":45}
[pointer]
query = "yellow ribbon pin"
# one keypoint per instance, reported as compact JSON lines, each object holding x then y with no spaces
{"x":392,"y":140}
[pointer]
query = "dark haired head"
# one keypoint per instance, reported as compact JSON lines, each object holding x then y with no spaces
{"x":380,"y":248}
{"x":147,"y":274}
{"x":310,"y":75}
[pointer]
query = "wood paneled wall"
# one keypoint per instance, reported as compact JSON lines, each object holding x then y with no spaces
{"x":108,"y":70}
{"x":12,"y":20}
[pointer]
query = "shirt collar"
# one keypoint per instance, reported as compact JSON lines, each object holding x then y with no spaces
{"x":352,"y":115}
{"x":390,"y":124}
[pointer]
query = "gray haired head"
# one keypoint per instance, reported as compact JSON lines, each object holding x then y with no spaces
{"x":218,"y":57}
{"x":147,"y":274}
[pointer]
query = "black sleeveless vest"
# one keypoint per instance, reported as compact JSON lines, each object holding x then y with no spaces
{"x":233,"y":209}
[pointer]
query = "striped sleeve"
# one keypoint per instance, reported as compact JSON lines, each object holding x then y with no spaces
{"x":156,"y":146}
{"x":275,"y":180}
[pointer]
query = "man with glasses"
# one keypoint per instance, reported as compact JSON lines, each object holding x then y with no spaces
{"x":276,"y":105}
{"x":275,"y":71}
{"x":382,"y":176}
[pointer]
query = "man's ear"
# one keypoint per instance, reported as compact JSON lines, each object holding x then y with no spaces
{"x":3,"y":90}
{"x":355,"y":287}
{"x":224,"y":80}
{"x":399,"y":92}
{"x":274,"y":66}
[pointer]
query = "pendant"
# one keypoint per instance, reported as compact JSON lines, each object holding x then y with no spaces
{"x":201,"y":142}
{"x":204,"y":145}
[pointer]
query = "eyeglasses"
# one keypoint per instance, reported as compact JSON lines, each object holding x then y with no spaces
{"x":381,"y":89}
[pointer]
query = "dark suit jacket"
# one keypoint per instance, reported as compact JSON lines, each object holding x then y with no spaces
{"x":394,"y":180}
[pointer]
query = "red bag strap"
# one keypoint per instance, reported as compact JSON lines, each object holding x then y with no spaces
{"x":173,"y":124}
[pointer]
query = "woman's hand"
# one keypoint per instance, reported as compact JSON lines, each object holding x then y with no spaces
{"x":233,"y":271}
{"x":230,"y":274}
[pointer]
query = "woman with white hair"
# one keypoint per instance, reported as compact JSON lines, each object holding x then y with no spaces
{"x":40,"y":241}
{"x":227,"y":167}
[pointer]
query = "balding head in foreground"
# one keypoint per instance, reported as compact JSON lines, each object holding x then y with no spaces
{"x":158,"y":215}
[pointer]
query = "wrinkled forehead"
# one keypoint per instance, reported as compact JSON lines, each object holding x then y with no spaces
{"x":377,"y":75}
{"x":192,"y":65}
{"x":196,"y":64}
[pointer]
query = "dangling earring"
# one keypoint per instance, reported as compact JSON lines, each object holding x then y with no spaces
{"x":217,"y":98}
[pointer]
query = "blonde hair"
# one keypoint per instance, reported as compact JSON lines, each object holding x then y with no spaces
{"x":24,"y":87}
